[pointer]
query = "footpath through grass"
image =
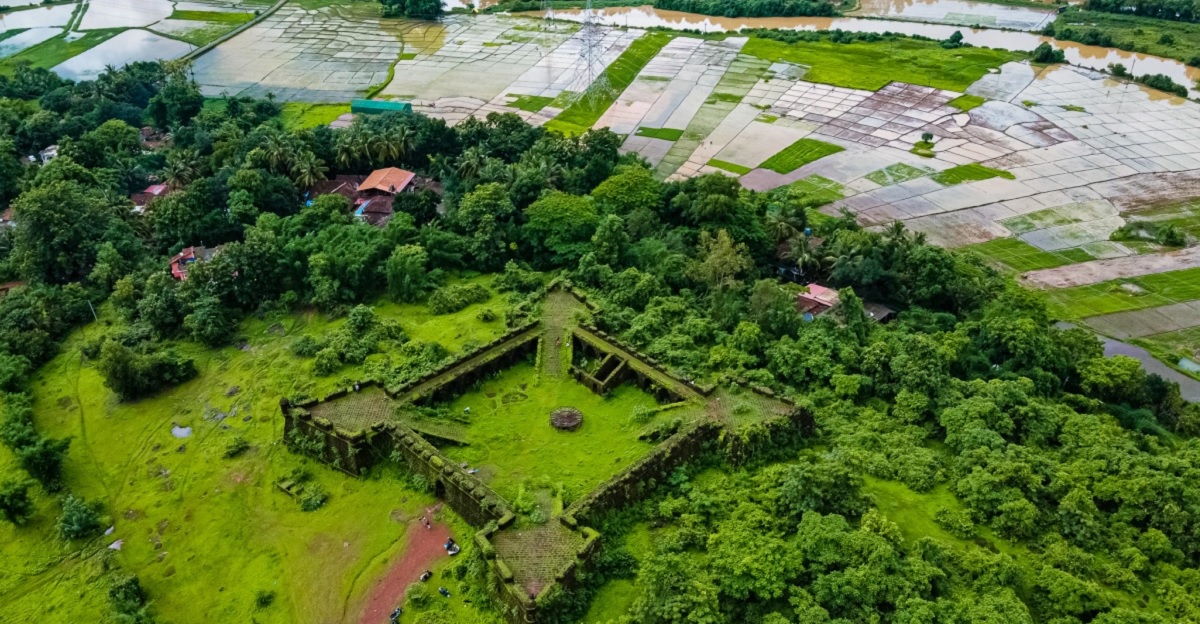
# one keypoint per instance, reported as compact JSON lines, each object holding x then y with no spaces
{"x":863,"y":65}
{"x":799,"y":154}
{"x":586,"y":111}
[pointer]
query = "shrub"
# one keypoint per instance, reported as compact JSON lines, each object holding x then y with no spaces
{"x":455,"y":297}
{"x":487,"y":315}
{"x":305,"y":346}
{"x":314,"y":498}
{"x":15,"y":504}
{"x":264,"y":598}
{"x":236,"y":446}
{"x":958,"y":523}
{"x":133,"y":375}
{"x":1044,"y":53}
{"x":515,"y":278}
{"x":79,"y":519}
{"x":327,"y":362}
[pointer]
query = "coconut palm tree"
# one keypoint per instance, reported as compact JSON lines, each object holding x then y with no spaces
{"x":783,"y":224}
{"x":308,"y":170}
{"x":277,"y":150}
{"x":183,"y":166}
{"x":801,"y":253}
{"x":471,"y":162}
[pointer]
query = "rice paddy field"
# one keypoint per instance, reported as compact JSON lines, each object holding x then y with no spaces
{"x":1126,"y":294}
{"x":799,"y":154}
{"x":1014,"y":255}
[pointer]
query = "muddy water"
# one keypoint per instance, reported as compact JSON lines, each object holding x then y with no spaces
{"x":1093,"y":57}
{"x":963,"y":12}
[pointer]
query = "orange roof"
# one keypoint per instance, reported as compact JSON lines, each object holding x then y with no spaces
{"x":390,"y":180}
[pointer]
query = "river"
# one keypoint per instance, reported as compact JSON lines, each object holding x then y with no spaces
{"x":1092,"y":57}
{"x":1188,"y":388}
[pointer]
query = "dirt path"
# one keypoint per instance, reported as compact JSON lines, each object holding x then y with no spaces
{"x":1097,"y":271}
{"x":423,"y":549}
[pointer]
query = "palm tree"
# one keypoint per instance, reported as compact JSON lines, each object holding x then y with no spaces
{"x":308,"y":170}
{"x":783,"y":224}
{"x":405,"y":140}
{"x":183,"y":166}
{"x":345,"y":148}
{"x":800,"y":252}
{"x":471,"y":162}
{"x":277,"y":149}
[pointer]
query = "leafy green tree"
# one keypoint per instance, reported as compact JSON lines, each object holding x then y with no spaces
{"x":177,"y":102}
{"x":486,"y":217}
{"x":15,"y":504}
{"x":407,"y":275}
{"x":210,"y":322}
{"x":60,"y":227}
{"x":631,"y":188}
{"x":561,"y":225}
{"x":133,"y":375}
{"x":79,"y":519}
{"x":11,"y":171}
{"x":610,"y":243}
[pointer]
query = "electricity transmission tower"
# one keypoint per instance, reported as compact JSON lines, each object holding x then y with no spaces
{"x":591,"y":76}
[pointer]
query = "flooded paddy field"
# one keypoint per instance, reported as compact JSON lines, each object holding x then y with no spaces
{"x":127,"y":47}
{"x":959,"y":12}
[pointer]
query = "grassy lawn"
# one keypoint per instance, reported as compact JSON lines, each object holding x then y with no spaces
{"x":666,"y":134}
{"x":215,"y":17}
{"x":51,"y":52}
{"x":967,"y":102}
{"x":969,"y":173}
{"x":299,"y":115}
{"x":1177,"y":40}
{"x":529,"y":103}
{"x":582,"y":114}
{"x":199,"y":528}
{"x":1107,"y":297}
{"x":872,"y":65}
{"x":1016,"y":256}
{"x":730,"y":167}
{"x":512,"y":443}
{"x":799,"y":154}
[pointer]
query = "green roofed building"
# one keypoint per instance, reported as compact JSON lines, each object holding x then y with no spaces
{"x":377,"y":107}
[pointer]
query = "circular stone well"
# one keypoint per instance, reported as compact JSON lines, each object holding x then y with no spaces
{"x":566,"y":418}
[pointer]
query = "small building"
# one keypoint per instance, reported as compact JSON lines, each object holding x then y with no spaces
{"x":8,"y":287}
{"x":378,"y":107}
{"x":48,"y":154}
{"x":820,"y":299}
{"x":344,"y":185}
{"x":817,"y":300}
{"x":375,"y":210}
{"x":142,"y":199}
{"x":7,"y":218}
{"x":184,"y":259}
{"x":390,"y":181}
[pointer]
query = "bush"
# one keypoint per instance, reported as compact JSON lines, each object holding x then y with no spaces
{"x":79,"y":519}
{"x":327,"y":362}
{"x":455,"y":297}
{"x":514,"y":278}
{"x":958,"y":523}
{"x":236,"y":446}
{"x":314,"y":498}
{"x":133,"y":375}
{"x":487,"y":315}
{"x":15,"y":504}
{"x":264,"y":598}
{"x":305,"y":346}
{"x":1044,"y":53}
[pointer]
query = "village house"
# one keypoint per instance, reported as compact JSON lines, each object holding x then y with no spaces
{"x":183,"y":260}
{"x":142,"y":199}
{"x":820,"y":299}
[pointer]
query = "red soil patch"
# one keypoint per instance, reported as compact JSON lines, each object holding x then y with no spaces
{"x":424,"y":548}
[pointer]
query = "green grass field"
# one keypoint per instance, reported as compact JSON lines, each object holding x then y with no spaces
{"x":199,"y":529}
{"x":53,"y":51}
{"x":1014,"y":255}
{"x":740,"y":170}
{"x":872,"y":65}
{"x":1172,"y":346}
{"x":580,"y":116}
{"x":1132,"y":32}
{"x":666,"y":134}
{"x":1107,"y":297}
{"x":799,"y":154}
{"x":897,"y":173}
{"x":969,"y":173}
{"x":529,"y":103}
{"x":300,"y":115}
{"x":814,"y":187}
{"x":967,"y":102}
{"x":213,"y":17}
{"x":512,"y":443}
